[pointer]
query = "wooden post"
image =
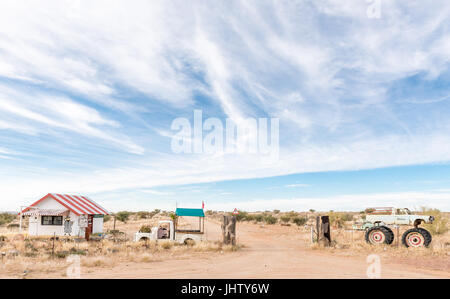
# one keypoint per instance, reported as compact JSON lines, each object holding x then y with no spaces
{"x":229,"y":230}
{"x":317,"y":229}
{"x":323,"y":230}
{"x":53,"y":245}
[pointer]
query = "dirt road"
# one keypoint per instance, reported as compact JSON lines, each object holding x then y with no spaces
{"x":275,"y":252}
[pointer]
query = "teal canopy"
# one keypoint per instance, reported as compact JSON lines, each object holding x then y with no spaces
{"x":190,"y":212}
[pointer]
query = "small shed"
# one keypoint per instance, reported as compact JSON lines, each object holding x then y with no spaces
{"x":64,"y":215}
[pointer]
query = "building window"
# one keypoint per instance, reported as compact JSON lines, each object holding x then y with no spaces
{"x":52,"y":220}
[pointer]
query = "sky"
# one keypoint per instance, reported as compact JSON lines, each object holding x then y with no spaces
{"x":89,"y":91}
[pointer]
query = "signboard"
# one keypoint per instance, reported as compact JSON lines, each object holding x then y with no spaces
{"x":83,"y":221}
{"x":235,"y":212}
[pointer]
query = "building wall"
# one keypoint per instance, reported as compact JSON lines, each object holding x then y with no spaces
{"x":35,"y":227}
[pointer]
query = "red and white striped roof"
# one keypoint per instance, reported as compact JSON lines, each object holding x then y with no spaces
{"x":79,"y":205}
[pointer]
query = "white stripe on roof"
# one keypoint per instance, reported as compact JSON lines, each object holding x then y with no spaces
{"x":81,"y":204}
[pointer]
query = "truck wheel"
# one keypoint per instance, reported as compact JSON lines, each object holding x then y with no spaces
{"x":379,"y":235}
{"x":390,"y":238}
{"x":416,"y":237}
{"x":427,"y":234}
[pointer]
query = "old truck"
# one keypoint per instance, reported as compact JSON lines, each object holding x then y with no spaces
{"x":167,"y":230}
{"x":378,"y":232}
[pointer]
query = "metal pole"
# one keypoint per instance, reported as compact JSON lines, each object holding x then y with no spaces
{"x":20,"y":221}
{"x":53,"y":246}
{"x":398,"y":235}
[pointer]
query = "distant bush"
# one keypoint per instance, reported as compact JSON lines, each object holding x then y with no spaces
{"x":6,"y":218}
{"x":106,"y":218}
{"x":145,"y":229}
{"x":13,"y":225}
{"x":440,"y":223}
{"x":269,"y":219}
{"x":299,"y":221}
{"x":346,"y":217}
{"x":276,"y":211}
{"x":285,"y":219}
{"x":259,"y":217}
{"x":242,"y":216}
{"x":123,"y":216}
{"x":144,"y":215}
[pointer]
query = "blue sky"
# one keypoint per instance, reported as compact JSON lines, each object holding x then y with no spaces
{"x":88,"y":92}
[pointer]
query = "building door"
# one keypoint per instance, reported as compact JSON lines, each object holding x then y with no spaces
{"x":89,"y":227}
{"x":33,"y":223}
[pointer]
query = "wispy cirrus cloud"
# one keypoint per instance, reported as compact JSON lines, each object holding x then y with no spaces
{"x":119,"y":73}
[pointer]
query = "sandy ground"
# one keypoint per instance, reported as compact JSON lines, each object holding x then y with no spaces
{"x":275,"y":252}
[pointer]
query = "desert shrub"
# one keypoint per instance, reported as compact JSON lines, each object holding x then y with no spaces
{"x":13,"y":225}
{"x":106,"y":218}
{"x":242,"y":216}
{"x":61,"y":254}
{"x":285,"y":219}
{"x":312,"y":210}
{"x":440,"y":223}
{"x":292,"y":214}
{"x":145,"y":229}
{"x":276,"y":211}
{"x":76,"y":251}
{"x":250,"y":217}
{"x":144,"y":215}
{"x":6,"y":218}
{"x":269,"y":219}
{"x":166,"y":245}
{"x":123,"y":216}
{"x":347,"y":217}
{"x":336,"y":220}
{"x":258,"y":217}
{"x":299,"y":221}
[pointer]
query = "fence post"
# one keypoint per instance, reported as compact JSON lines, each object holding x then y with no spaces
{"x":229,"y":230}
{"x":323,"y":230}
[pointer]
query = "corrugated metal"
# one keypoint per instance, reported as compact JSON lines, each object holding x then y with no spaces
{"x":190,"y":212}
{"x":80,"y":205}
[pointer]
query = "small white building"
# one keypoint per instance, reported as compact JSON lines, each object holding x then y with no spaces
{"x":64,"y":215}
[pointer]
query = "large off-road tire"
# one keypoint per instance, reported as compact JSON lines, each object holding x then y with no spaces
{"x":379,"y":235}
{"x":416,"y":237}
{"x":391,"y":235}
{"x":425,"y":232}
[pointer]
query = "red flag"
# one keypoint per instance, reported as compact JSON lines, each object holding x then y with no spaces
{"x":203,"y":205}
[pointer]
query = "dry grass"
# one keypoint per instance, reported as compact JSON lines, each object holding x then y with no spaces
{"x":33,"y":256}
{"x":346,"y":242}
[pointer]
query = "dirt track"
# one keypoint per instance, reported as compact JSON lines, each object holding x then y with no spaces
{"x":275,"y":252}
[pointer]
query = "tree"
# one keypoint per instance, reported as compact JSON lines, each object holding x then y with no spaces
{"x":123,"y":216}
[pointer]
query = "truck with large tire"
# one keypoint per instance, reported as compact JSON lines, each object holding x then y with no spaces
{"x":377,"y":228}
